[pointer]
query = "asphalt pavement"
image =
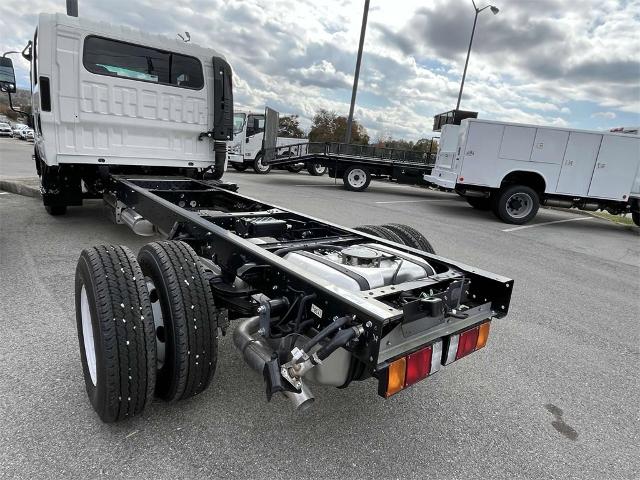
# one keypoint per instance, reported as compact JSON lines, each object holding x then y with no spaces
{"x":553,"y":395}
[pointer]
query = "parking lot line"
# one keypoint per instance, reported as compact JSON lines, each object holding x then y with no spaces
{"x":4,"y":193}
{"x":415,"y":201}
{"x":546,"y":223}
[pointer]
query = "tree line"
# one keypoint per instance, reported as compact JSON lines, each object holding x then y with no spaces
{"x":328,"y":126}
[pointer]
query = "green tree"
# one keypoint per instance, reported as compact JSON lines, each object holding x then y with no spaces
{"x":328,"y":126}
{"x":289,"y":126}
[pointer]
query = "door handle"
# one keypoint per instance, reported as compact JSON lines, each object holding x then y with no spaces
{"x":602,"y":165}
{"x":569,"y":162}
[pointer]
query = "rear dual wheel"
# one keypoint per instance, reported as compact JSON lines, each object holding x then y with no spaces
{"x":144,"y":326}
{"x":516,"y":204}
{"x":402,"y":234}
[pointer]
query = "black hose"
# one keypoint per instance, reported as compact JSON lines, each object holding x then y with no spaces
{"x":301,"y":307}
{"x":340,"y":340}
{"x":284,"y":250}
{"x":325,"y":332}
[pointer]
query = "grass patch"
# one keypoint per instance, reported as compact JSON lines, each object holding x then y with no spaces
{"x":626,"y":220}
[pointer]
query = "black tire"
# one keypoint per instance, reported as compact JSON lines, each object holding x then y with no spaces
{"x":259,"y":167}
{"x":188,"y":330}
{"x":316,"y":170}
{"x":240,"y":167}
{"x":511,"y":199}
{"x":380,"y":232}
{"x":479,"y":203}
{"x":356,"y":178}
{"x":411,"y":237}
{"x":112,"y":298}
{"x":296,"y":168}
{"x":56,"y":210}
{"x":636,"y":218}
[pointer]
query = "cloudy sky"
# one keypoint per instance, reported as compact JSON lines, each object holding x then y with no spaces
{"x":551,"y":62}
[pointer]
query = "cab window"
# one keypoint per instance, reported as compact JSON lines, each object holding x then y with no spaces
{"x":255,"y":124}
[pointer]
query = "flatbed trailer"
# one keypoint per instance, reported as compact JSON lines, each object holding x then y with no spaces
{"x":317,"y":302}
{"x":355,"y":164}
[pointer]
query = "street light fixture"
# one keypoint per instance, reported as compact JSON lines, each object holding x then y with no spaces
{"x":495,"y":10}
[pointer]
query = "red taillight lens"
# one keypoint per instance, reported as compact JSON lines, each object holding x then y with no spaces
{"x":467,"y":343}
{"x":418,"y":366}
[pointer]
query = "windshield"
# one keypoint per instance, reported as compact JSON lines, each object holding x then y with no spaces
{"x":238,"y":122}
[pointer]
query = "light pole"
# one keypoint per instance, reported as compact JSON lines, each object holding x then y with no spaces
{"x":347,"y":138}
{"x":495,"y":11}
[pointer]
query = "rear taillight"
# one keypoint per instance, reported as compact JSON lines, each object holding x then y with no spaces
{"x":408,"y":370}
{"x":418,"y":366}
{"x":461,"y":345}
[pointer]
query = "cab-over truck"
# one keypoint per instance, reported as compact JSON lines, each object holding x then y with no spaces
{"x":314,"y":302}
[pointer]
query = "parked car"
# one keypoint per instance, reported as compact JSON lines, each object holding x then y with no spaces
{"x":26,"y":134}
{"x":16,"y":129}
{"x":5,"y":130}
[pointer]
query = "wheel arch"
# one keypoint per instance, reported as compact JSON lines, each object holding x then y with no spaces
{"x":530,"y":178}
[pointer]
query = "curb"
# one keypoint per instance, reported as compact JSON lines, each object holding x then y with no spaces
{"x":20,"y":187}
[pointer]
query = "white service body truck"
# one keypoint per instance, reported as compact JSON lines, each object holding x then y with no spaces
{"x":110,"y":99}
{"x":246,"y":148}
{"x":512,"y":168}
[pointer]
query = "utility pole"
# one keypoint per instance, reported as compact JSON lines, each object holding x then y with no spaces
{"x":365,"y":14}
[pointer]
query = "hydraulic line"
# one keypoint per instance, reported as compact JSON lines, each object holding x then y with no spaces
{"x":325,"y":332}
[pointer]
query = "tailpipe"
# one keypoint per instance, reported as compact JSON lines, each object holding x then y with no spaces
{"x":256,"y":354}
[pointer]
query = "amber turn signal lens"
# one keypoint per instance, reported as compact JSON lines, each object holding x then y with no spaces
{"x":483,"y":335}
{"x":395,"y":380}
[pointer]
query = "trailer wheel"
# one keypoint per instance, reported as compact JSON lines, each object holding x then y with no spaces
{"x":411,"y":237}
{"x":356,"y":178}
{"x":479,"y":203}
{"x":240,"y":167}
{"x":260,"y":167}
{"x":185,"y":319}
{"x":636,"y":218}
{"x":296,"y":168}
{"x":316,"y":169}
{"x":516,"y":204}
{"x":115,"y":331}
{"x":381,"y":232}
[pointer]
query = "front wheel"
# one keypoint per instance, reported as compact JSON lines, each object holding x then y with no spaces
{"x":636,"y":218}
{"x":356,"y":178}
{"x":516,"y":204}
{"x":316,"y":169}
{"x":260,"y":167}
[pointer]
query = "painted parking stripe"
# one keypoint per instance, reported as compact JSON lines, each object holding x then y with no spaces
{"x":414,"y":201}
{"x":547,"y":223}
{"x":4,"y":193}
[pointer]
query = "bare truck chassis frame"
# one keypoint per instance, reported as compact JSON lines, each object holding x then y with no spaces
{"x":216,"y":222}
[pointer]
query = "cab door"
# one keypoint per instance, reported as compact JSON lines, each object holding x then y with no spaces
{"x":254,"y":135}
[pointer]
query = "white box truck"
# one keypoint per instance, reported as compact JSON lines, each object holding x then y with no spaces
{"x":112,"y":100}
{"x":246,"y":148}
{"x":513,"y":168}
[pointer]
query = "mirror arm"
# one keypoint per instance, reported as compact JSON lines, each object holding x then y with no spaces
{"x":14,"y":109}
{"x":27,"y":55}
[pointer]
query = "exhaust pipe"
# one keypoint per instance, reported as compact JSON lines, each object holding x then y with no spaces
{"x":256,"y":354}
{"x":137,"y":222}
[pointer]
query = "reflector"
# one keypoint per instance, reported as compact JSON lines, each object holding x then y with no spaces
{"x":483,"y":335}
{"x":418,"y":366}
{"x":395,"y":381}
{"x":467,"y":342}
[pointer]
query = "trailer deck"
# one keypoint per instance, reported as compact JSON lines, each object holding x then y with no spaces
{"x":356,"y":164}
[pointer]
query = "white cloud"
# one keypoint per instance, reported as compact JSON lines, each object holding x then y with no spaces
{"x":607,"y":115}
{"x":529,"y":63}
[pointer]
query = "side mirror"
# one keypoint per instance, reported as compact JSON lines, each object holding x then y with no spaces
{"x":7,"y":76}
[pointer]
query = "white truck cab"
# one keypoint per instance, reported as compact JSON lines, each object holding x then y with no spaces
{"x":512,"y":168}
{"x":109,"y":99}
{"x":246,"y":148}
